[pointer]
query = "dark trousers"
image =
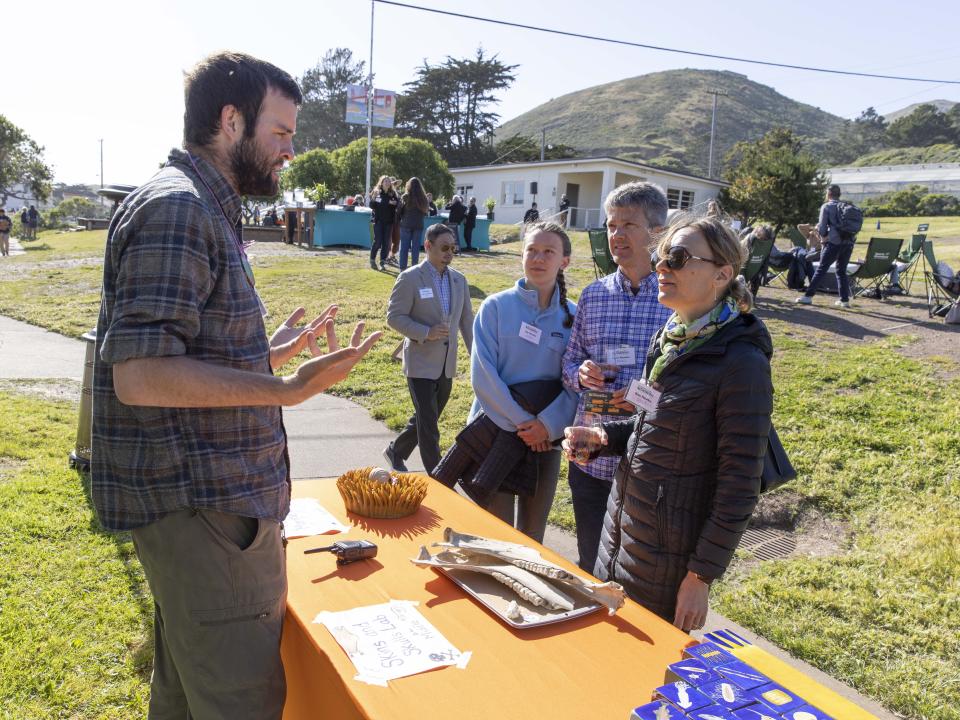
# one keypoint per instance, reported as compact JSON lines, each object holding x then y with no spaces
{"x":429,"y":398}
{"x":381,"y":241}
{"x":468,"y":236}
{"x":839,"y":254}
{"x":589,"y":495}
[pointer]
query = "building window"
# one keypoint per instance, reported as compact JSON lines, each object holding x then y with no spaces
{"x":512,"y":193}
{"x":464,"y":191}
{"x":679,"y":199}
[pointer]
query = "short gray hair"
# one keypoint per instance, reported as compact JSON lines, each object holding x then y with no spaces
{"x":648,"y":197}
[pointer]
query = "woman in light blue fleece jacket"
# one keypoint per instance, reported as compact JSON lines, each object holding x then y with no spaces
{"x":520,"y":335}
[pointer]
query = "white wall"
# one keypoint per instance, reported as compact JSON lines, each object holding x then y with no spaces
{"x":596,"y":179}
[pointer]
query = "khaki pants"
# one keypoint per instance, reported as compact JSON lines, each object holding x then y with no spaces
{"x":219,"y":586}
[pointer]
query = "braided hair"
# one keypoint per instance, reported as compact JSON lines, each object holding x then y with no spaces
{"x":556,"y":229}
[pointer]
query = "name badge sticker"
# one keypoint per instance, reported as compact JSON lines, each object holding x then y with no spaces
{"x":643,"y":396}
{"x":426,"y":293}
{"x":530,"y":333}
{"x":623,"y":356}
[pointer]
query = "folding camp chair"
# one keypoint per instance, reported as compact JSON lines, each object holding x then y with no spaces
{"x":603,"y":263}
{"x":874,"y":273}
{"x":756,"y":261}
{"x":796,"y":237}
{"x":908,"y":261}
{"x":941,"y":295}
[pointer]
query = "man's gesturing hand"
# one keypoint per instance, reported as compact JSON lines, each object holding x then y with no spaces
{"x":288,"y":340}
{"x":323,"y":371}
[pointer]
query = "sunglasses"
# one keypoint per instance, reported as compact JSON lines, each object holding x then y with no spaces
{"x":677,"y":257}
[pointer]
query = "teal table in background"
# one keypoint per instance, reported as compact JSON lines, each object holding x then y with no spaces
{"x":481,"y":233}
{"x":335,"y":226}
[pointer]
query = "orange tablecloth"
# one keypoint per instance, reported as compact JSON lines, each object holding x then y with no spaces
{"x":590,"y":667}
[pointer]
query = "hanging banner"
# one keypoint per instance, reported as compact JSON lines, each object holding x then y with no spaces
{"x":384,"y":106}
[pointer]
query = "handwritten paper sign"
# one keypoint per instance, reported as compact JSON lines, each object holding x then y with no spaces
{"x":308,"y":517}
{"x":390,"y":641}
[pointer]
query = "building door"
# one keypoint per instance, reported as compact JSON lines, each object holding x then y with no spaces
{"x":573,"y":196}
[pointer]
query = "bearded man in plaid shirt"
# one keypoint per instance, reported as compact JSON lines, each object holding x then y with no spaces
{"x":617,"y":316}
{"x":189,"y":450}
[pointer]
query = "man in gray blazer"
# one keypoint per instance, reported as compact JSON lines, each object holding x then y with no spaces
{"x":430,"y":302}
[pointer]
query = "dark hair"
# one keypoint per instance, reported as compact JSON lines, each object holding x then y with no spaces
{"x":415,"y":196}
{"x":436,"y":230}
{"x":833,"y":191}
{"x":229,"y":78}
{"x":556,"y":229}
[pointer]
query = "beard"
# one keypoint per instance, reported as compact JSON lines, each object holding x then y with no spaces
{"x":252,"y":170}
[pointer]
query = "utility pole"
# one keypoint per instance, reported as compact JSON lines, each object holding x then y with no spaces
{"x":366,"y":188}
{"x":101,"y":169}
{"x":543,"y":143}
{"x":713,"y":126}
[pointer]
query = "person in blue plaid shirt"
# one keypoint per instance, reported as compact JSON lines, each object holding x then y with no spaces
{"x":189,"y":450}
{"x":616,"y":317}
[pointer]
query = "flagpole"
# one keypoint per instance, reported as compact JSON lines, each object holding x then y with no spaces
{"x":367,"y":187}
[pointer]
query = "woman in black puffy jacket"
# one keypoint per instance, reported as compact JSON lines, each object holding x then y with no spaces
{"x":691,"y":458}
{"x":384,"y":202}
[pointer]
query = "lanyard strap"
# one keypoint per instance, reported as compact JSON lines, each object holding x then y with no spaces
{"x":244,"y":261}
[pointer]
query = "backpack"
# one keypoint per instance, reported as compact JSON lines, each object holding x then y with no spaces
{"x":851,"y":220}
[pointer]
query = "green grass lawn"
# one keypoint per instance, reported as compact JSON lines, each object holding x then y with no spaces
{"x":75,"y":615}
{"x":873,"y":434}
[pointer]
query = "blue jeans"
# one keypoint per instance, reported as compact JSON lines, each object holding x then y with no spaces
{"x":410,"y":242}
{"x":589,"y":495}
{"x":839,"y":254}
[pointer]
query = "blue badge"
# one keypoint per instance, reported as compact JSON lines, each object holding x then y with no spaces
{"x":725,"y":694}
{"x":658,"y":710}
{"x":684,"y":696}
{"x":691,"y":671}
{"x":711,"y":712}
{"x":778,"y":697}
{"x":739,"y":673}
{"x":710,"y":654}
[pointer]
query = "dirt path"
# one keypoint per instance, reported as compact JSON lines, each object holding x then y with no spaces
{"x":867,"y":321}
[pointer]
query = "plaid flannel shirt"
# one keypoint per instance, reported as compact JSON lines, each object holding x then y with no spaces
{"x":174,"y":285}
{"x":609,"y":316}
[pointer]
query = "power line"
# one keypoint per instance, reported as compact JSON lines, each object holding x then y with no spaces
{"x":614,"y":41}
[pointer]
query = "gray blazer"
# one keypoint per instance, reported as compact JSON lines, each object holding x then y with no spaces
{"x":412,"y":315}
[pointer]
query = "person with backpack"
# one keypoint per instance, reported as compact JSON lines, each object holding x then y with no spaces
{"x":6,"y":225}
{"x":838,"y":227}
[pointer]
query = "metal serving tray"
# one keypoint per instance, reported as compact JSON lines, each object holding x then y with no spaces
{"x":496,"y":597}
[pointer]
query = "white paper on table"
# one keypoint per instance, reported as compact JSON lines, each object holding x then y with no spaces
{"x":390,"y":641}
{"x":308,"y":517}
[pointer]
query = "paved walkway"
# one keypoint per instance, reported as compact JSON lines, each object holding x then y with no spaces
{"x":327,"y":436}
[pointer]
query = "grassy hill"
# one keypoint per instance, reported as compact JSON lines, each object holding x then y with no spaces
{"x":941,"y":105}
{"x":942,"y":153}
{"x":664,"y":118}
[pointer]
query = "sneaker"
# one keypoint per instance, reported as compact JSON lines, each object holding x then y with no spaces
{"x":842,"y":303}
{"x":383,"y":267}
{"x":396,"y":462}
{"x":373,"y":265}
{"x":804,"y":300}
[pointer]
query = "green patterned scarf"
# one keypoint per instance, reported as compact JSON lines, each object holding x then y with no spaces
{"x":678,"y":338}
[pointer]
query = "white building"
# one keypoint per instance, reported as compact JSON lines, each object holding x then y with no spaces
{"x":859,"y":183}
{"x":585,"y":182}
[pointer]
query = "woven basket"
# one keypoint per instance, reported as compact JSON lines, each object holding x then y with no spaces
{"x":373,"y":499}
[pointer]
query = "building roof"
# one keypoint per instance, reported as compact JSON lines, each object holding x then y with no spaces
{"x":928,"y":172}
{"x":596,"y":159}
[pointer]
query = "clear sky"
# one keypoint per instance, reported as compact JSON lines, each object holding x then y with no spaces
{"x":113,"y":70}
